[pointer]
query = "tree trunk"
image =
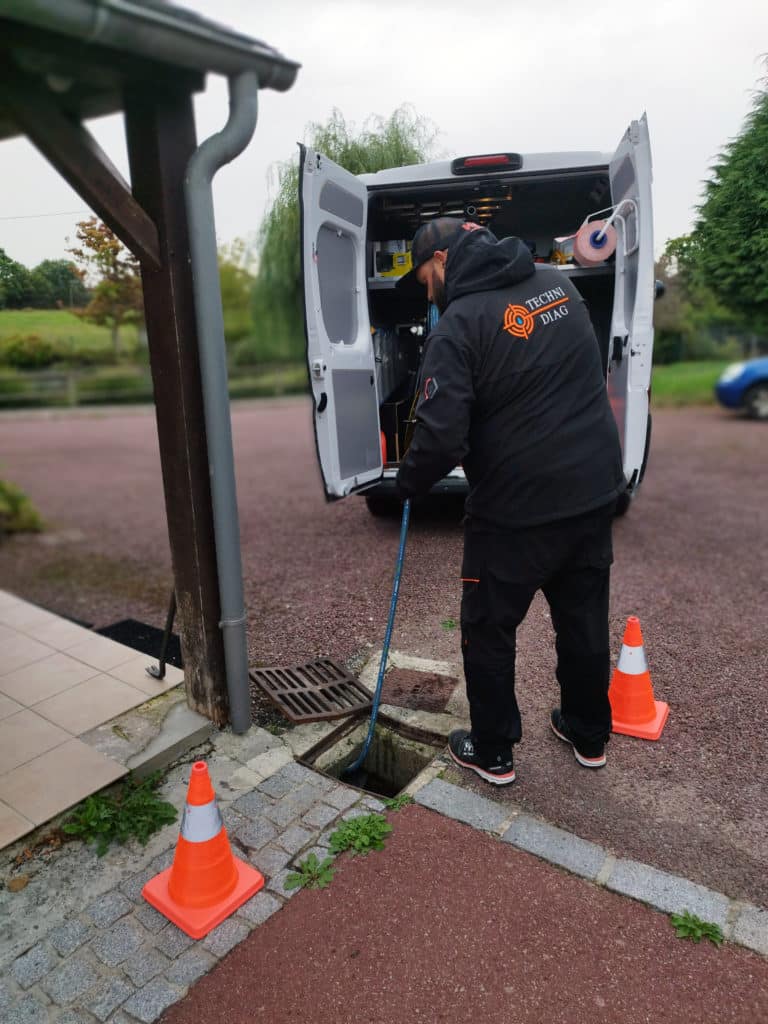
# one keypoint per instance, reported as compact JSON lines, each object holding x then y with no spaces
{"x":115,"y":334}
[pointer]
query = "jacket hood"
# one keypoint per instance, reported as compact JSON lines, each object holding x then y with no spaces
{"x":479,"y":262}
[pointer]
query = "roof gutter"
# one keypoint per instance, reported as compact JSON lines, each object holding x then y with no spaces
{"x":169,"y":36}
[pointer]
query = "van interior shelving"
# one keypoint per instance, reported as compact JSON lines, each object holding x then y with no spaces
{"x":537,"y":209}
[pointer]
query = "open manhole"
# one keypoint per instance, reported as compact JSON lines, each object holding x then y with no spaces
{"x":397,"y":754}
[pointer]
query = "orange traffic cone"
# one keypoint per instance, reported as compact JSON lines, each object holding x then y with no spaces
{"x":205,"y":883}
{"x":634,"y":711}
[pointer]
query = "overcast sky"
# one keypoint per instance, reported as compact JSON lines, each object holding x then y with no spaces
{"x":520,"y":75}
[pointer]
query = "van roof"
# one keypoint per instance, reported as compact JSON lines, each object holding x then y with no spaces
{"x":440,"y":170}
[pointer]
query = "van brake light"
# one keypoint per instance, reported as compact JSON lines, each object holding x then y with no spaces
{"x":487,"y":162}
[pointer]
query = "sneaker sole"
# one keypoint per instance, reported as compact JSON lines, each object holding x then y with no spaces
{"x":586,"y":762}
{"x":495,"y":780}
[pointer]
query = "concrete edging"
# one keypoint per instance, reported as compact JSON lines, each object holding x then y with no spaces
{"x":742,"y":923}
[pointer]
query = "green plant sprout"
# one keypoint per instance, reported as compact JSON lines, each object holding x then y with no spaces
{"x":396,"y":803}
{"x":311,"y":873}
{"x":132,"y":810}
{"x":689,"y":926}
{"x":361,"y":835}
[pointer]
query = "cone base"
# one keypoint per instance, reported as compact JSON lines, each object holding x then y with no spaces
{"x":198,"y":921}
{"x":648,"y":730}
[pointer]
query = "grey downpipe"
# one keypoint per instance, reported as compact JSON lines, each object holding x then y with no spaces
{"x":211,"y":155}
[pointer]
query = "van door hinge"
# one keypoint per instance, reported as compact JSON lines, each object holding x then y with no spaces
{"x":318,"y":369}
{"x":619,"y":344}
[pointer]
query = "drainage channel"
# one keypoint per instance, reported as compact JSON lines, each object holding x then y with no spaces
{"x":398,"y":753}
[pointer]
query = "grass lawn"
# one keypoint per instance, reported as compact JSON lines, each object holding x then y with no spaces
{"x":62,"y":327}
{"x":686,"y":383}
{"x":676,"y":384}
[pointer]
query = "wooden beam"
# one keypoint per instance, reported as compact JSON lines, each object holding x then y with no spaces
{"x":160,"y":130}
{"x":81,"y":162}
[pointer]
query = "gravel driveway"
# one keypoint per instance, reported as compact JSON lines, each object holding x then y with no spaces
{"x":691,"y":562}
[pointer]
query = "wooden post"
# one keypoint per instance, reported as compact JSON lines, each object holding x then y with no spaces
{"x":160,"y":131}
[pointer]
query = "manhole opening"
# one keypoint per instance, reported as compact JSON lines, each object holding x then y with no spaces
{"x":396,"y":756}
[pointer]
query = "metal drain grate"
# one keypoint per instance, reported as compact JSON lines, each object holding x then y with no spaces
{"x":313,"y":692}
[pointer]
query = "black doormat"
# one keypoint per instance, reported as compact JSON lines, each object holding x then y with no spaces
{"x":144,"y":638}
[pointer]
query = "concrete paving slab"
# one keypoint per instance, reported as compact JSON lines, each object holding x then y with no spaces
{"x":182,"y":729}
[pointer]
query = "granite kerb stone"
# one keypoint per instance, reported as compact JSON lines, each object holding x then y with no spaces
{"x":462,"y":805}
{"x":666,"y":892}
{"x":751,"y":928}
{"x":556,"y":845}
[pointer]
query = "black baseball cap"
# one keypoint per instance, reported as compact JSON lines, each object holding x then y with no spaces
{"x":435,"y":235}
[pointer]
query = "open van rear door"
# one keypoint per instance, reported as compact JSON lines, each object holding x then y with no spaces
{"x":334,"y":209}
{"x":631,"y":348}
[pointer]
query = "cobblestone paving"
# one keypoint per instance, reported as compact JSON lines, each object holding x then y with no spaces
{"x":118,"y":960}
{"x":115,"y":959}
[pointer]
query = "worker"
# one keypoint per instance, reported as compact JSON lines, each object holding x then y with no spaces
{"x":511,"y":387}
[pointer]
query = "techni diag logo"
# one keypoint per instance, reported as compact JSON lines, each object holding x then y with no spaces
{"x":549,"y":306}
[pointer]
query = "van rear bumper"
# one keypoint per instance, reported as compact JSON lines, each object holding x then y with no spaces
{"x":455,"y":484}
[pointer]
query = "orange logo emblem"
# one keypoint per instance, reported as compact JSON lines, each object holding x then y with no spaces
{"x":518,"y":321}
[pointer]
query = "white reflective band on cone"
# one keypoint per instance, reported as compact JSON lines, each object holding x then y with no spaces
{"x":201,"y":822}
{"x":632,"y":661}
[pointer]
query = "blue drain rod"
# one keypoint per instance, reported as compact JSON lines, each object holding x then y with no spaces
{"x":352,"y":768}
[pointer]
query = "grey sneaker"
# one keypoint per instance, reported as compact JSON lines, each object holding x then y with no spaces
{"x":592,"y":757}
{"x":499,"y":772}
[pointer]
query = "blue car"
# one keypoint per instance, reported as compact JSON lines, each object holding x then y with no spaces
{"x":745,"y":386}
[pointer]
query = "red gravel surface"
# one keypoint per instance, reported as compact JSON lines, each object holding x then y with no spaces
{"x":449,"y":924}
{"x":691,"y":562}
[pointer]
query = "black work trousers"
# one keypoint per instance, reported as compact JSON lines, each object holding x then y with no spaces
{"x":569,"y":561}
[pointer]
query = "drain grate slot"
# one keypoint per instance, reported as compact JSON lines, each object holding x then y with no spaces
{"x":313,"y":692}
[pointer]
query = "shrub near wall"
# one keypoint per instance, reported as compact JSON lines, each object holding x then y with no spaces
{"x":17,"y":513}
{"x":28,"y":352}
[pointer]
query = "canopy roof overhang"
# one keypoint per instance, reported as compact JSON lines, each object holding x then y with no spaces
{"x":86,"y":52}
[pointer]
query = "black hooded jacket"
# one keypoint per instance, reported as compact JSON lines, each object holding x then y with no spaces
{"x":512,"y":388}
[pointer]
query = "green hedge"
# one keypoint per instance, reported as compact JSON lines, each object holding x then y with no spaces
{"x":124,"y":383}
{"x":27,"y":352}
{"x":17,"y":513}
{"x":121,"y":384}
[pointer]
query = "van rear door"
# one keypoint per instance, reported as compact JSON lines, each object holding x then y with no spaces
{"x":334,"y":208}
{"x":631,"y":346}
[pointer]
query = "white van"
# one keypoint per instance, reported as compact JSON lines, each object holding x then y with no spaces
{"x":364,"y":336}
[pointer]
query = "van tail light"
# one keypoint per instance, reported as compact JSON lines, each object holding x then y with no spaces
{"x":487,"y":162}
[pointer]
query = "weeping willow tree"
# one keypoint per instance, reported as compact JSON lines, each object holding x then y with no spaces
{"x":402,"y":138}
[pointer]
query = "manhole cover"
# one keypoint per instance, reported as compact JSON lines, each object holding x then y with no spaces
{"x":420,"y":691}
{"x":313,"y":692}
